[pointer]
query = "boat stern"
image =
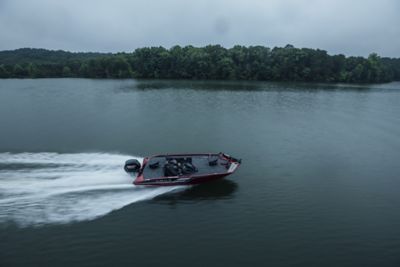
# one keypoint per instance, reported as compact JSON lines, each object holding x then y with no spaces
{"x":139,"y":180}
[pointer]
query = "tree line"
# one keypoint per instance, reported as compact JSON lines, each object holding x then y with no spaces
{"x":210,"y":62}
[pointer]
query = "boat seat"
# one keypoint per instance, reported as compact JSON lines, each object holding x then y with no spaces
{"x":171,"y":170}
{"x":212,"y":161}
{"x":154,"y":165}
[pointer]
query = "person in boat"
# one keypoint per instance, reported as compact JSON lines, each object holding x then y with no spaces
{"x":176,"y":167}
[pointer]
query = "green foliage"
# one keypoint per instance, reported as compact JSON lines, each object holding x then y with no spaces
{"x":3,"y":72}
{"x":66,"y":72}
{"x":20,"y":72}
{"x":33,"y":71}
{"x":210,"y":62}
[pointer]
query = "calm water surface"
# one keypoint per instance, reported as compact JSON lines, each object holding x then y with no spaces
{"x":319,"y":184}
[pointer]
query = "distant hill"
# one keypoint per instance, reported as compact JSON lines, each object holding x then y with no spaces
{"x":43,"y":56}
{"x":210,"y":62}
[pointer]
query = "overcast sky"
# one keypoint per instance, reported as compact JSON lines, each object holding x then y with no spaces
{"x":351,"y":27}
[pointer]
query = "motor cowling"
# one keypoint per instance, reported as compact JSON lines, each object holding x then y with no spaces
{"x":132,"y":165}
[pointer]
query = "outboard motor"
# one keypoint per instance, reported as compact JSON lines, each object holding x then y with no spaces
{"x":132,"y":165}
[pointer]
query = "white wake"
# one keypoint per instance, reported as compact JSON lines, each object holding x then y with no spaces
{"x":41,"y":188}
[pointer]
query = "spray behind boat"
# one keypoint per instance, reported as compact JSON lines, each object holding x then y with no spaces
{"x":47,"y":187}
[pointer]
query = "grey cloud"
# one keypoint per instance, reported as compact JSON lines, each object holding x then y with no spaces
{"x":356,"y":27}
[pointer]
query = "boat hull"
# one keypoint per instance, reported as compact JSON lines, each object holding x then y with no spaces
{"x":224,"y":165}
{"x":192,"y":181}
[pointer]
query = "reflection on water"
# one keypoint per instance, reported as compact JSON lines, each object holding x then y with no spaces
{"x":202,"y":85}
{"x":129,"y":85}
{"x":219,"y":189}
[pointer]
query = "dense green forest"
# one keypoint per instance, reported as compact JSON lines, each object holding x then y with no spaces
{"x":210,"y":62}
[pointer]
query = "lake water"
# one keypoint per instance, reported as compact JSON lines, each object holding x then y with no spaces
{"x":319,"y":184}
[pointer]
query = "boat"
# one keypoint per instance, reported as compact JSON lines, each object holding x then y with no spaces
{"x":181,"y":169}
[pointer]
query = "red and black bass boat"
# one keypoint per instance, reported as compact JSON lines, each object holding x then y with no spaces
{"x":181,"y":169}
